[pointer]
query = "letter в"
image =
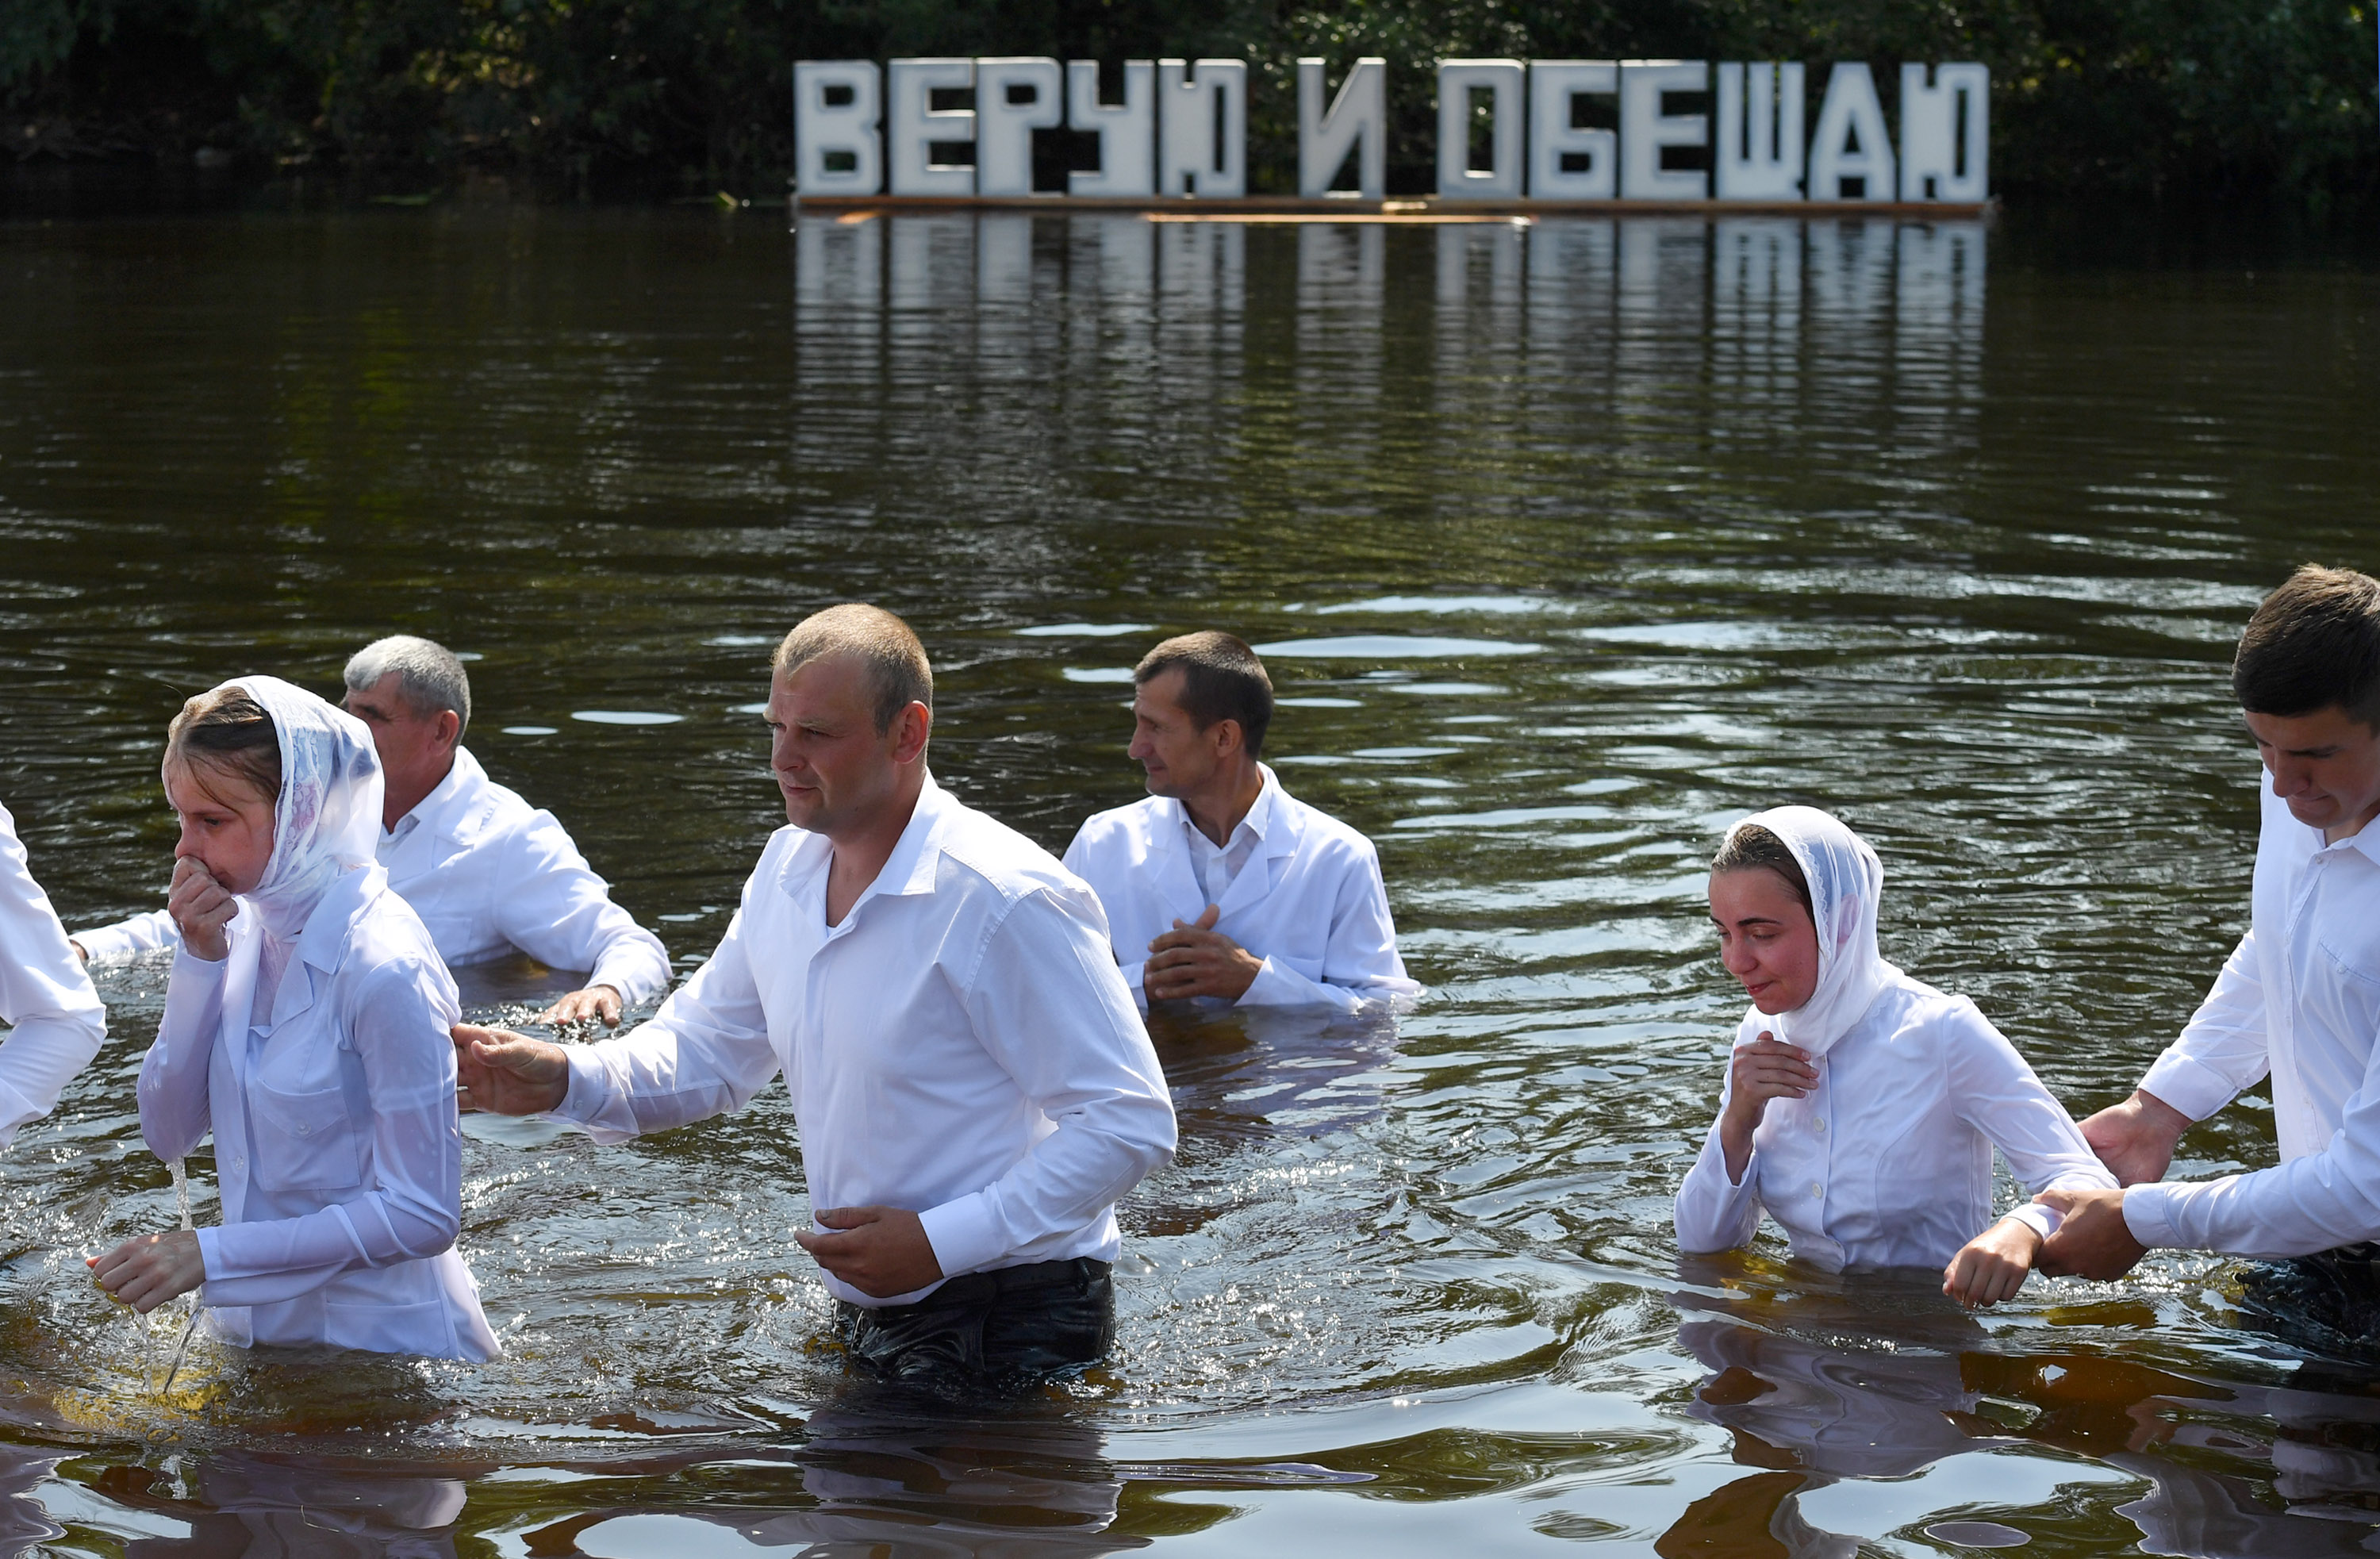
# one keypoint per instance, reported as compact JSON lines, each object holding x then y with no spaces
{"x":1127,"y":133}
{"x":837,"y":107}
{"x":1015,"y":95}
{"x":1359,"y":114}
{"x":1202,"y":128}
{"x":1760,"y":150}
{"x":1945,"y":133}
{"x":1567,"y":161}
{"x":916,"y":124}
{"x":1506,"y":81}
{"x":1645,"y":130}
{"x":1850,"y":141}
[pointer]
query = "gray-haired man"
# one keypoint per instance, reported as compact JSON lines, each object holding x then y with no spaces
{"x":486,"y":872}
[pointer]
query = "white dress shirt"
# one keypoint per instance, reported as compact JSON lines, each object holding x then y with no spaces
{"x":337,"y":1147}
{"x":57,"y":1021}
{"x":960,"y":1045}
{"x":1888,"y":1162}
{"x":2298,"y":997}
{"x":487,"y":874}
{"x":1305,"y":897}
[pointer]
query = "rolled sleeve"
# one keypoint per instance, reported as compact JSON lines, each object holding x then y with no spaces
{"x":2224,"y":1049}
{"x":128,"y":938}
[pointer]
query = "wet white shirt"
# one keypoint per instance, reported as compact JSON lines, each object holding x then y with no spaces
{"x":56,"y":1020}
{"x":337,"y":1144}
{"x":487,"y":873}
{"x":960,"y":1045}
{"x":1887,"y":1161}
{"x":2298,"y":997}
{"x":1307,"y":898}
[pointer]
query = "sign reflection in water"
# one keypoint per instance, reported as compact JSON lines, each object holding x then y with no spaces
{"x":1568,"y":542}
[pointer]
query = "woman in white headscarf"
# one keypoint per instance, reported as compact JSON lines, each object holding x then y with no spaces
{"x":1860,"y":1106}
{"x":305,"y":1025}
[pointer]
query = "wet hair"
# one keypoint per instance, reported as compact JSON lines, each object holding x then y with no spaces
{"x":2314,"y":644}
{"x":230,"y":732}
{"x":1221,"y":679}
{"x":897,"y":670}
{"x":428,"y":678}
{"x":1753,"y":846}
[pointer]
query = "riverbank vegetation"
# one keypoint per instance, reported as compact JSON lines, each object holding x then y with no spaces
{"x":2266,"y":102}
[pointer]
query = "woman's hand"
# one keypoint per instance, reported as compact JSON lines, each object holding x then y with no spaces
{"x":1992,"y":1266}
{"x":1761,"y":1071}
{"x":147,"y":1271}
{"x":200,"y":907}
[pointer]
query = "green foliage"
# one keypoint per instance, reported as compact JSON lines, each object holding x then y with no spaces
{"x":2267,"y":99}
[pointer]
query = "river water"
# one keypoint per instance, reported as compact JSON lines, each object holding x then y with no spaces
{"x":1566,"y":545}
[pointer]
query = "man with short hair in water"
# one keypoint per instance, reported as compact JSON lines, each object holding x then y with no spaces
{"x":972,"y":1084}
{"x":2298,"y":998}
{"x":1221,"y":884}
{"x":486,"y":872}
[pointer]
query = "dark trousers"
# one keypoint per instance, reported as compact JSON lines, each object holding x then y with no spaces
{"x":1002,"y":1330}
{"x":2330,"y":1299}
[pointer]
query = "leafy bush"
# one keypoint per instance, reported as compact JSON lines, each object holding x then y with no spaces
{"x":2241,"y":100}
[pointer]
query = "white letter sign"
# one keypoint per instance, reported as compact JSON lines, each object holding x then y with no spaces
{"x":1506,"y":81}
{"x":1850,"y":142}
{"x":1567,"y":161}
{"x":1759,"y":153}
{"x":1127,"y":134}
{"x":916,"y":125}
{"x":1202,"y":119}
{"x":1645,"y":130}
{"x":1938,"y":162}
{"x":1359,"y":114}
{"x":837,"y":104}
{"x":1013,"y":97}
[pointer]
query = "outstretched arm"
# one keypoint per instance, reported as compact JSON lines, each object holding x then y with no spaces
{"x":58,"y":1021}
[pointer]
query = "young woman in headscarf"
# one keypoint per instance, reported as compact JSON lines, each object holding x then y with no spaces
{"x":305,"y":1025}
{"x":1860,"y":1106}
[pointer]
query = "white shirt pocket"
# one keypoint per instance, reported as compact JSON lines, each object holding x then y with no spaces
{"x":305,"y":1141}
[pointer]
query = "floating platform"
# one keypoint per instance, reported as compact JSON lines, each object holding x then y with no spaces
{"x":1419,"y":210}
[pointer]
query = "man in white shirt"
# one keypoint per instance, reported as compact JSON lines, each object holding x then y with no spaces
{"x":1221,"y":884}
{"x":56,"y":1020}
{"x":972,"y":1083}
{"x":486,"y":872}
{"x":2298,"y":998}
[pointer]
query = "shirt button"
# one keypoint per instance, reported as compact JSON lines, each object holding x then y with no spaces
{"x":303,"y":1130}
{"x":240,"y":1163}
{"x":1822,"y":1125}
{"x":1817,"y":1189}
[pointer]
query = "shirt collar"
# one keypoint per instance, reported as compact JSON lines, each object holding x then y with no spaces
{"x":912,"y":868}
{"x":437,"y":810}
{"x":1262,"y":815}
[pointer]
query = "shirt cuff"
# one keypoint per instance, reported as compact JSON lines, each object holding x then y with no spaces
{"x":590,"y":1090}
{"x":964,"y":1233}
{"x":2040,"y":1218}
{"x":210,"y":1259}
{"x":2188,"y":1084}
{"x":2149,"y":1214}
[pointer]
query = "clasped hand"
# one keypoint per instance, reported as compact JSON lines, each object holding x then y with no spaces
{"x":507,"y":1073}
{"x":200,"y":907}
{"x":878,"y":1251}
{"x":147,"y":1271}
{"x":1198,"y":960}
{"x":1760,"y":1072}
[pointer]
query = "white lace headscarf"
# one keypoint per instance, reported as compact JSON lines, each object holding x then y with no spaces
{"x":326,"y":820}
{"x":1846,"y":883}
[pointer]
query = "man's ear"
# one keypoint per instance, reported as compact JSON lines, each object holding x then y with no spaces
{"x":1229,"y":738}
{"x":910,"y":729}
{"x":450,"y":727}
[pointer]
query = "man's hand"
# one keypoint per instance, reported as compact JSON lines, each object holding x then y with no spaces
{"x":508,"y":1074}
{"x":147,"y":1271}
{"x":1198,"y":960}
{"x":1760,"y":1071}
{"x":585,"y":1007}
{"x":2136,"y":1140}
{"x":878,"y":1251}
{"x":1992,"y":1266}
{"x":200,"y":907}
{"x":2094,"y":1241}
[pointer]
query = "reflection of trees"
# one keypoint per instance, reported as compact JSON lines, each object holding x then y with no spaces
{"x":1240,"y":1075}
{"x":1866,"y":1379}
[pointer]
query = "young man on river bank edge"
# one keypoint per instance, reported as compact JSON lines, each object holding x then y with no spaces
{"x":971,"y":1081}
{"x":2298,"y":998}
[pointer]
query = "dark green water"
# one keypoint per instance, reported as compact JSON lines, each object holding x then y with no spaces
{"x":1568,"y":544}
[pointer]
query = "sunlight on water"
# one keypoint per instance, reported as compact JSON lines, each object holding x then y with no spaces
{"x":1567,"y":545}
